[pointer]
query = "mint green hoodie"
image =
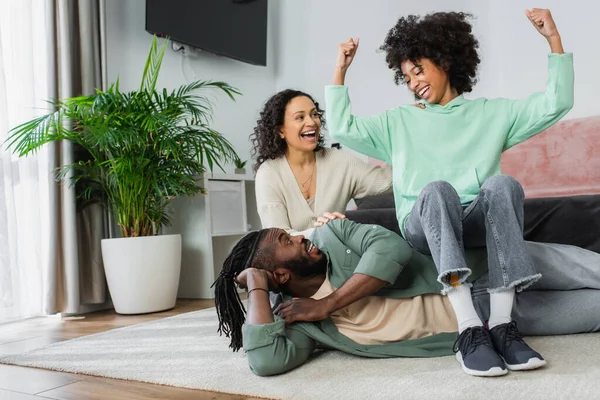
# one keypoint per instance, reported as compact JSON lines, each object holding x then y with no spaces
{"x":460,"y":142}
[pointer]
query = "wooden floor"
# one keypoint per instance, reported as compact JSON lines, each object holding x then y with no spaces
{"x":19,"y":383}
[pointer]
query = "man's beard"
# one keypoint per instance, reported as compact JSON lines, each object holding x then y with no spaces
{"x":306,"y":267}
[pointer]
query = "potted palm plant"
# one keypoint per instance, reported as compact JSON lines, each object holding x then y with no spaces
{"x":144,"y":148}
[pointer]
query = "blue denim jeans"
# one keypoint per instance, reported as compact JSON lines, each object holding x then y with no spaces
{"x":441,"y":226}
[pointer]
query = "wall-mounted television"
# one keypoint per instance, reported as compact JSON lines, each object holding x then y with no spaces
{"x":232,"y":28}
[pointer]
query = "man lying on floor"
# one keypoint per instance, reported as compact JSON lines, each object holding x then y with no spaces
{"x":369,"y":294}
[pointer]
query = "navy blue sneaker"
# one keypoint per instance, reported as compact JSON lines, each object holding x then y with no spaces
{"x":476,"y":354}
{"x":517,"y":354}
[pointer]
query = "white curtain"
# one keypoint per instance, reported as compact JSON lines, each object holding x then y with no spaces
{"x":50,"y":258}
{"x":24,"y":182}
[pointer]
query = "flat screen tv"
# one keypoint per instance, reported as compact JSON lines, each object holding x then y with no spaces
{"x":232,"y":28}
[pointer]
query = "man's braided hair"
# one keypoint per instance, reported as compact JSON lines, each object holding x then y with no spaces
{"x":230,"y":310}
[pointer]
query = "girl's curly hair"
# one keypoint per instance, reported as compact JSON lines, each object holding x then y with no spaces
{"x":443,"y":37}
{"x":266,"y":142}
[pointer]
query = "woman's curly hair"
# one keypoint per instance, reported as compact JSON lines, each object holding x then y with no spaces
{"x":266,"y":142}
{"x":443,"y":37}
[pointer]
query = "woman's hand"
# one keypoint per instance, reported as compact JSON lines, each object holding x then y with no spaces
{"x":544,"y":23}
{"x":346,"y":53}
{"x":329,"y":217}
{"x":256,"y":278}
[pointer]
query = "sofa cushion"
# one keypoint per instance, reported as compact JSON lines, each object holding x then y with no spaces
{"x":384,"y":200}
{"x":568,"y":220}
{"x":385,"y":217}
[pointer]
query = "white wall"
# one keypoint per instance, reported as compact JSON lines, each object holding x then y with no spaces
{"x":513,"y":53}
{"x":517,"y":54}
{"x":128,"y":44}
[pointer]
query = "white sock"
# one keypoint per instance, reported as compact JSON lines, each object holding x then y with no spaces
{"x":501,"y":304}
{"x":460,"y":298}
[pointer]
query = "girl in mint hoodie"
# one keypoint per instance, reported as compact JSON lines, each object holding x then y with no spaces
{"x":445,"y":152}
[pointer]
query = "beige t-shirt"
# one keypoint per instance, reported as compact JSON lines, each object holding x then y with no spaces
{"x":379,"y":320}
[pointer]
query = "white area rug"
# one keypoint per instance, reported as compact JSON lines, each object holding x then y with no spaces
{"x":185,"y":351}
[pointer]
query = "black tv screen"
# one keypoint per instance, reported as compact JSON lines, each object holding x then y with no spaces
{"x":231,"y":28}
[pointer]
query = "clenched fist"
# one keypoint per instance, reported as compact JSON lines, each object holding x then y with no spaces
{"x":543,"y":22}
{"x":346,"y":53}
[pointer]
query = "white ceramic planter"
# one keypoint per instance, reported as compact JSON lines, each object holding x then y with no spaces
{"x":142,"y":272}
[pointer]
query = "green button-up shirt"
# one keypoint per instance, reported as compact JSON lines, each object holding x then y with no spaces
{"x":352,"y":248}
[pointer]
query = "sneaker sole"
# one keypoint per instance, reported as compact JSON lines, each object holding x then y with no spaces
{"x":533,"y":363}
{"x":494,"y":371}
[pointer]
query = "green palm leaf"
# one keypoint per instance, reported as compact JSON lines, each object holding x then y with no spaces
{"x":152,"y":67}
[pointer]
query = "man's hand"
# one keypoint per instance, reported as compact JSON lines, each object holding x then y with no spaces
{"x":259,"y":307}
{"x":329,"y":217}
{"x":302,"y":310}
{"x":252,"y":277}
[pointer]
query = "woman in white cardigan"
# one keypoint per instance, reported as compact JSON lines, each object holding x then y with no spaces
{"x":299,"y":182}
